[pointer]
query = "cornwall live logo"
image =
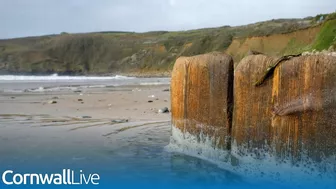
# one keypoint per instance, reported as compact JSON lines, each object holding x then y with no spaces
{"x":66,"y":177}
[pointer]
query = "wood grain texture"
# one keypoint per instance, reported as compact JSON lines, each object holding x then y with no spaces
{"x":293,"y":114}
{"x":201,"y":96}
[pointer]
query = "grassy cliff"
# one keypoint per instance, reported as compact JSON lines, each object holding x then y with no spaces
{"x":154,"y":53}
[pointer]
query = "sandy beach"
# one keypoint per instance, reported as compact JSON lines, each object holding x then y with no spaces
{"x":132,"y":103}
{"x":81,"y":127}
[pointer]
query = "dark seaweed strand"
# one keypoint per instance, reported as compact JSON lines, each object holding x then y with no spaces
{"x":270,"y":70}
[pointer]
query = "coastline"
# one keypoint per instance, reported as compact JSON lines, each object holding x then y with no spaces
{"x":141,"y":74}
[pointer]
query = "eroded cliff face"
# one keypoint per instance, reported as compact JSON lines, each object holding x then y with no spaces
{"x":201,"y":96}
{"x":275,"y":45}
{"x":292,"y":114}
{"x":154,"y":53}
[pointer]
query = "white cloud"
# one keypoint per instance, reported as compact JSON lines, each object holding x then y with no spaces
{"x":172,"y":3}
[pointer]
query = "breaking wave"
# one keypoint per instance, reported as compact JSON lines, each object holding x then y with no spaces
{"x":59,"y":78}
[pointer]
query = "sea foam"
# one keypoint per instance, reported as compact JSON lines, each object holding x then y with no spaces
{"x":265,"y":168}
{"x":57,"y":77}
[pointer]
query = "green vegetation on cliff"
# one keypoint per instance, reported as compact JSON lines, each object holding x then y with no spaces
{"x":326,"y":37}
{"x":155,"y":52}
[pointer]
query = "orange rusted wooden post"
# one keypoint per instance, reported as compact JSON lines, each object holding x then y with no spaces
{"x":201,"y":98}
{"x":292,"y":114}
{"x":252,"y":116}
{"x":304,"y":99}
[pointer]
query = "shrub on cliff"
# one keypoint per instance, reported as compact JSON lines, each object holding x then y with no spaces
{"x":326,"y":37}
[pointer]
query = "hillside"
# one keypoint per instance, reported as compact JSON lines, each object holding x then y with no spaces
{"x":154,"y":53}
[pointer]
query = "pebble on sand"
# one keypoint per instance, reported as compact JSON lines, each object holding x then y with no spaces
{"x":52,"y":102}
{"x":119,"y":121}
{"x":163,"y":110}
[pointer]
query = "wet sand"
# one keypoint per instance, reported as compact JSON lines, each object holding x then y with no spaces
{"x":97,"y":125}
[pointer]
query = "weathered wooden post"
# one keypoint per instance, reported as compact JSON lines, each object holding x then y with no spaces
{"x":286,"y":108}
{"x":201,"y":97}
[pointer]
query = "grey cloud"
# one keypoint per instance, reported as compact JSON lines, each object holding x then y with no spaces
{"x":38,"y":17}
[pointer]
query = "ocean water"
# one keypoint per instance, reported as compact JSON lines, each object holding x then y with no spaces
{"x":18,"y":84}
{"x":127,"y":155}
{"x":141,"y":154}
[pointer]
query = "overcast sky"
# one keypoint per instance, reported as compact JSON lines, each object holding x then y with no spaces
{"x":39,"y":17}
